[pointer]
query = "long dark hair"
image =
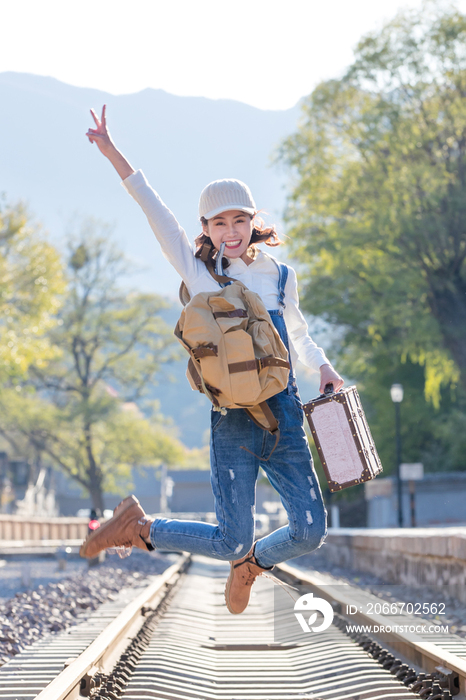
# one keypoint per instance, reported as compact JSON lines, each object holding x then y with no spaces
{"x":260,"y":234}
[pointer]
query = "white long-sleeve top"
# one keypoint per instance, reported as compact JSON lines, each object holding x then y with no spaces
{"x":260,"y":276}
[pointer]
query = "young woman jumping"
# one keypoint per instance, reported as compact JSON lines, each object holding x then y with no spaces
{"x":228,"y":215}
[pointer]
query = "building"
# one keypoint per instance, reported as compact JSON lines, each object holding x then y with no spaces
{"x":439,"y":499}
{"x":170,"y":491}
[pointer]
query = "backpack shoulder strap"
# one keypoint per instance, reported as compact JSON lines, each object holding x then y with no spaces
{"x":217,"y":274}
{"x":221,"y":279}
{"x":224,"y":279}
{"x":185,"y":296}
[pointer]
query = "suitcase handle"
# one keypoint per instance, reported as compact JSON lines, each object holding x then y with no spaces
{"x":328,"y":390}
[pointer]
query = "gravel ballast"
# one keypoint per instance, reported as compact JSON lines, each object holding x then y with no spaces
{"x":50,"y":608}
{"x":67,"y":597}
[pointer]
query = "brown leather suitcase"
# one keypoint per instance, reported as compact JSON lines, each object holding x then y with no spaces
{"x":343,"y":438}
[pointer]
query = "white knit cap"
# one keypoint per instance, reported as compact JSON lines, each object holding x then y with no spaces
{"x":225,"y":195}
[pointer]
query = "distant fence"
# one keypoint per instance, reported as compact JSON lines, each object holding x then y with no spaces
{"x":38,"y":529}
{"x":17,"y":527}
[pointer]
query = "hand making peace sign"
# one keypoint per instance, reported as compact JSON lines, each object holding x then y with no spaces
{"x":101,"y":136}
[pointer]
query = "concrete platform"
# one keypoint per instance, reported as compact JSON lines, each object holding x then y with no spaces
{"x":434,"y":557}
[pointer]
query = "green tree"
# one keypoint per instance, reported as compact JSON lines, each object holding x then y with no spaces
{"x":98,"y":453}
{"x":379,"y":201}
{"x":31,"y":287}
{"x":377,"y":214}
{"x":110,"y":346}
{"x":377,"y":219}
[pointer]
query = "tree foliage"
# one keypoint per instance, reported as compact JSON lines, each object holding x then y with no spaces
{"x":100,"y":457}
{"x":377,"y":209}
{"x":31,"y":288}
{"x":79,"y":409}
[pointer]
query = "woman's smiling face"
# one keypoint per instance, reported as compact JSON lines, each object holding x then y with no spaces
{"x":235,"y":229}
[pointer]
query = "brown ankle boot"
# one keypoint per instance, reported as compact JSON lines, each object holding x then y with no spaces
{"x":243,"y":573}
{"x":129,"y":527}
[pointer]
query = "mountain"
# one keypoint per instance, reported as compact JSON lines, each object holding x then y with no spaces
{"x":181,"y":143}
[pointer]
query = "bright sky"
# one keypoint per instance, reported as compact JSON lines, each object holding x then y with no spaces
{"x":267,"y":53}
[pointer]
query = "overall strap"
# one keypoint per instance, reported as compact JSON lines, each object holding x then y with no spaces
{"x":282,"y":278}
{"x":219,"y":273}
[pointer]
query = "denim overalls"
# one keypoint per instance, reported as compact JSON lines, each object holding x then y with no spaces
{"x":234,"y":473}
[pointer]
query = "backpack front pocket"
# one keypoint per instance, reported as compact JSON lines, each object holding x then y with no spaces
{"x":232,"y":319}
{"x":242,"y":366}
{"x":229,"y":316}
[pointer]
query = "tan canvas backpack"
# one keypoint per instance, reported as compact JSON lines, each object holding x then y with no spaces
{"x":237,"y":358}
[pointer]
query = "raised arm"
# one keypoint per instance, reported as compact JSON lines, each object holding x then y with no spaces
{"x":171,"y":236}
{"x":102,"y":138}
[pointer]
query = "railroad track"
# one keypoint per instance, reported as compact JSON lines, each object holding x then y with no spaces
{"x":177,"y":641}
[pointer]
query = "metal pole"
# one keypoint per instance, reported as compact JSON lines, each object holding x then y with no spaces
{"x":412,"y":498}
{"x":163,"y":489}
{"x":398,"y":462}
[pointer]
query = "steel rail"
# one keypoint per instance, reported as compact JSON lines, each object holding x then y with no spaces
{"x":110,"y":643}
{"x":417,"y":648}
{"x":193,"y":649}
{"x":199,"y":651}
